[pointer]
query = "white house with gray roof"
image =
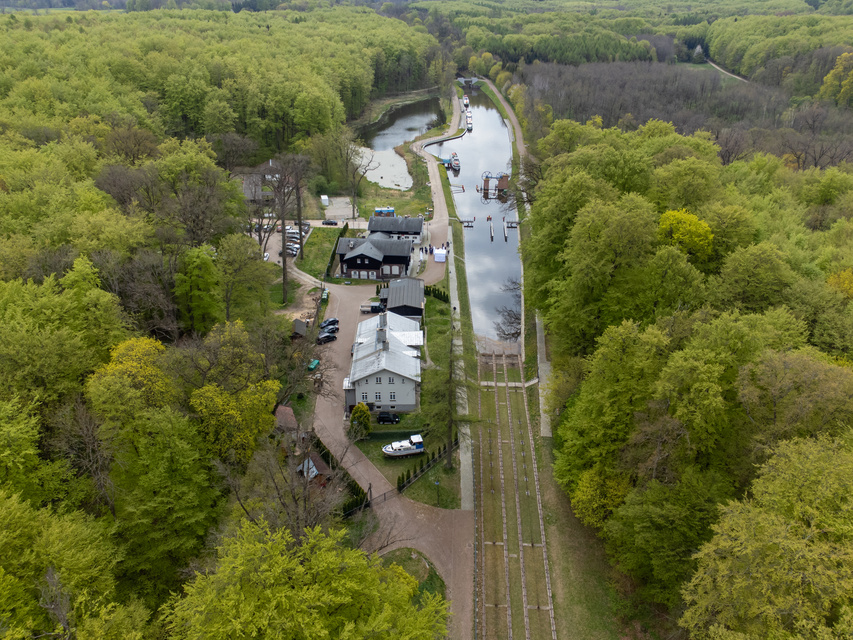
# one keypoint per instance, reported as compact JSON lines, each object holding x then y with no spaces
{"x":386,"y":367}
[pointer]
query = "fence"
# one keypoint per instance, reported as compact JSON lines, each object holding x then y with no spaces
{"x":330,"y":268}
{"x":403,"y":483}
{"x":367,"y":501}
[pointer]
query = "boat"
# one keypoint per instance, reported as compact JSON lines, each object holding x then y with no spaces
{"x":413,"y":446}
{"x":454,"y":161}
{"x":469,"y":125}
{"x":465,"y":100}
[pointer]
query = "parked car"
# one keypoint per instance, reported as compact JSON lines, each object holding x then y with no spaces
{"x":385,"y":417}
{"x":328,"y":322}
{"x":325,"y":337}
{"x":266,"y":257}
{"x":332,"y":328}
{"x":330,"y":223}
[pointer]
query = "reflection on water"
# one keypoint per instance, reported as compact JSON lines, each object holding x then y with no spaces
{"x":490,"y":262}
{"x":401,"y":125}
{"x":508,"y":325}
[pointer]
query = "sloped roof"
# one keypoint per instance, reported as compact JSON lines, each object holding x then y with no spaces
{"x":386,"y":360}
{"x":408,"y":332}
{"x":383,"y":247}
{"x":395,"y":225}
{"x":406,"y":292}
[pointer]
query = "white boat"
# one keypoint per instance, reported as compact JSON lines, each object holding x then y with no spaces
{"x":470,"y":125}
{"x":465,"y":100}
{"x":454,"y":161}
{"x":413,"y":446}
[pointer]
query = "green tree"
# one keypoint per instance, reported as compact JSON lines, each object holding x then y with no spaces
{"x":359,"y":422}
{"x":165,"y":503}
{"x":232,"y":422}
{"x":781,"y":564}
{"x":196,"y":291}
{"x":265,"y":585}
{"x":754,"y":278}
{"x":56,"y":571}
{"x":653,"y":535}
{"x":243,"y":278}
{"x":22,"y":470}
{"x":683,"y":230}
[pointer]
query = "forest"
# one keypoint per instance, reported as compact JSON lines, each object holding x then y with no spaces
{"x":700,"y":325}
{"x":690,"y":251}
{"x":143,"y":473}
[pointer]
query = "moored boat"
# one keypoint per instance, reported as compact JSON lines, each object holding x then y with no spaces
{"x":465,"y":100}
{"x":413,"y":446}
{"x":454,"y":161}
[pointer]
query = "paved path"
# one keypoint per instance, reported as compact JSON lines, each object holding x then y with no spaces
{"x":544,"y":375}
{"x":445,"y":536}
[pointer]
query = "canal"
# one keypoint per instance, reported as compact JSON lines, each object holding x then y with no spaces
{"x":493,"y":266}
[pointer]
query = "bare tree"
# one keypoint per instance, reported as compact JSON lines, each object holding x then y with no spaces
{"x":508,"y":328}
{"x":57,"y":602}
{"x":288,"y":485}
{"x":356,"y":162}
{"x":78,"y":439}
{"x":232,"y":149}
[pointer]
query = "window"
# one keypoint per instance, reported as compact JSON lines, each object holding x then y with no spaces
{"x":364,"y":396}
{"x":378,"y":396}
{"x":358,"y":260}
{"x":393,"y":396}
{"x":390,"y":379}
{"x":378,"y":379}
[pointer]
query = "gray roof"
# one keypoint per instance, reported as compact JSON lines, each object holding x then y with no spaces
{"x":405,"y":330}
{"x":370,"y":355}
{"x":395,"y":225}
{"x":406,"y":292}
{"x":393,"y":361}
{"x":380,"y":248}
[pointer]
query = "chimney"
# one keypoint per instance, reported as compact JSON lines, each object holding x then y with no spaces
{"x":351,"y":244}
{"x":383,"y":320}
{"x":382,"y":338}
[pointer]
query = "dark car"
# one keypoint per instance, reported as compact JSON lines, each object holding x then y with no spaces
{"x":330,"y":223}
{"x":328,"y":322}
{"x":332,"y":328}
{"x":324,"y":337}
{"x":387,"y":418}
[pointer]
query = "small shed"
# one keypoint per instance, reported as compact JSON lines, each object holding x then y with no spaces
{"x":314,"y":468}
{"x":324,"y":200}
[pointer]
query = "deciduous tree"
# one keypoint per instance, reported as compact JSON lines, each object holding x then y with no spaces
{"x":300,"y":592}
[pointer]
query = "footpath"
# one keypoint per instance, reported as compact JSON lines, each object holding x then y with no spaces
{"x":445,"y":536}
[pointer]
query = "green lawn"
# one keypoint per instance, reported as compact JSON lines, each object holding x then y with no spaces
{"x":318,"y":250}
{"x":424,"y":489}
{"x":275,"y":294}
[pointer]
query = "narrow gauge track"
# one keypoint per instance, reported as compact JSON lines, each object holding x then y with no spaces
{"x":515,"y":585}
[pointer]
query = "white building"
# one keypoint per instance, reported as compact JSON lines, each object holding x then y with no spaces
{"x":386,"y":365}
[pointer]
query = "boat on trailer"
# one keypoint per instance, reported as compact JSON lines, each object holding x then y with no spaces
{"x":413,"y":446}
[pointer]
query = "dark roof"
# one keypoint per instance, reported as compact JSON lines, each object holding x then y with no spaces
{"x":395,"y":225}
{"x":407,"y":292}
{"x":379,"y":248}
